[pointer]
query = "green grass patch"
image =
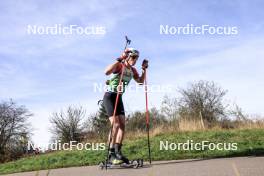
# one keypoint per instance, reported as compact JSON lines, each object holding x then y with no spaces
{"x":249,"y":142}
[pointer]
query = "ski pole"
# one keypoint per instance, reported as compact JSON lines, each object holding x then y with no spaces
{"x":116,"y":102}
{"x":147,"y":114}
{"x":127,"y":42}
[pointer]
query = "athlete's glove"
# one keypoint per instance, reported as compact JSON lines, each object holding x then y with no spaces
{"x":145,"y":64}
{"x":124,"y":55}
{"x":119,"y":59}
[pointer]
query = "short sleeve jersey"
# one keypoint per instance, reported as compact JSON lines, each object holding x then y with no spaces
{"x":129,"y":73}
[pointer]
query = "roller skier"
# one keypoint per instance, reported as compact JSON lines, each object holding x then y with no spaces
{"x":122,"y":72}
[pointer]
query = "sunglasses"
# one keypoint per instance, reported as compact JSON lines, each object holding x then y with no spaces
{"x":134,"y":57}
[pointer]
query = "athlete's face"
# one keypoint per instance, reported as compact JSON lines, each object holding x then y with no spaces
{"x":132,"y":60}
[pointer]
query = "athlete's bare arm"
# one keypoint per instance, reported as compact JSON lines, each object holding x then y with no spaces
{"x":141,"y":78}
{"x":111,"y":68}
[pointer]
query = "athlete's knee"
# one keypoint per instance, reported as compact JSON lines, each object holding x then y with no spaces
{"x":116,"y":125}
{"x":122,"y":127}
{"x":122,"y":122}
{"x":113,"y":120}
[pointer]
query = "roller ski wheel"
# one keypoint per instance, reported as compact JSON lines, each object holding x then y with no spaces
{"x":135,"y":164}
{"x":140,"y":161}
{"x":102,"y":165}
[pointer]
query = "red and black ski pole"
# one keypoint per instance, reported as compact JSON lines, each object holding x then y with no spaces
{"x":147,"y":112}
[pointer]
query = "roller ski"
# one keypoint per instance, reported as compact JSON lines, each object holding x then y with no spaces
{"x":117,"y":159}
{"x":112,"y":165}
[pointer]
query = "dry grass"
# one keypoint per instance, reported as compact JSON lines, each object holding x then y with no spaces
{"x":195,"y":125}
{"x":153,"y":132}
{"x":191,"y":125}
{"x":184,"y":125}
{"x":134,"y":134}
{"x":251,"y":124}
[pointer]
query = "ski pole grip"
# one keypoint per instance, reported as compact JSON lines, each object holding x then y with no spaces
{"x":145,"y":63}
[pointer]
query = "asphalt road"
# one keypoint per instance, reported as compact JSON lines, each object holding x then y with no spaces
{"x":240,"y":166}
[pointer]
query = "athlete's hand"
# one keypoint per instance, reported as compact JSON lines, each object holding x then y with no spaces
{"x":145,"y":64}
{"x":123,"y":56}
{"x":119,"y":59}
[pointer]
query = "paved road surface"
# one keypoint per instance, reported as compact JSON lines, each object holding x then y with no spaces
{"x":241,"y":166}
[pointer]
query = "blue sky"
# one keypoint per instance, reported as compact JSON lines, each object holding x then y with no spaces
{"x":47,"y":73}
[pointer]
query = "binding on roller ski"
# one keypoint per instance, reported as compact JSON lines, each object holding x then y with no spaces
{"x":122,"y":71}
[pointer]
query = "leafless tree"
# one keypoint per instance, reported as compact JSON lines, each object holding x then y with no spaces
{"x":14,"y":129}
{"x":204,"y":100}
{"x":67,"y":126}
{"x":237,"y":113}
{"x":169,"y":107}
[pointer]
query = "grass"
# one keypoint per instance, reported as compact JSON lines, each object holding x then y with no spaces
{"x":249,"y":142}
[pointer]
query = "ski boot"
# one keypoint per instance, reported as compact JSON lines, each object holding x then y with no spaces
{"x":112,"y":158}
{"x":119,"y":154}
